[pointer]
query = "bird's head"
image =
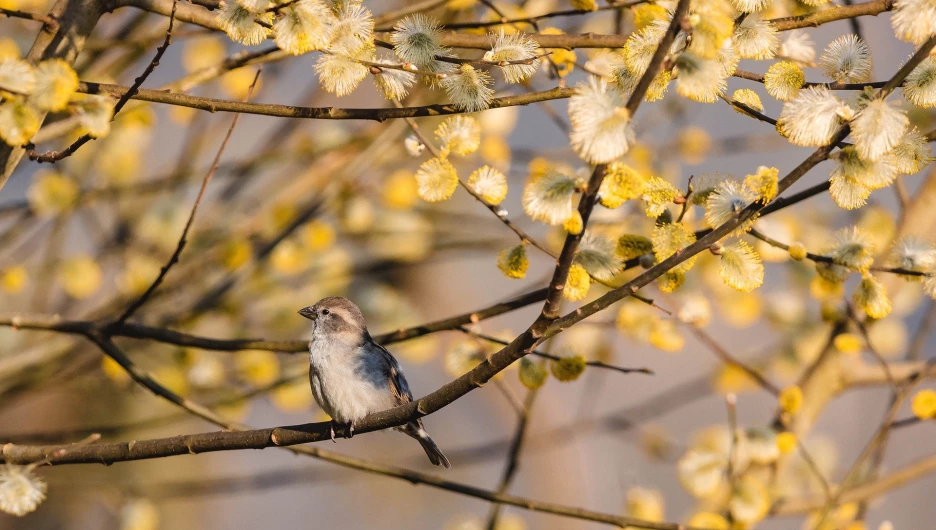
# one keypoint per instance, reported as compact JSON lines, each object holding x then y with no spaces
{"x":336,"y":318}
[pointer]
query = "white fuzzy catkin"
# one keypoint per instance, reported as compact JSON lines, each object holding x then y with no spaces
{"x":877,"y":129}
{"x":813,"y":117}
{"x":847,"y":60}
{"x":601,"y":125}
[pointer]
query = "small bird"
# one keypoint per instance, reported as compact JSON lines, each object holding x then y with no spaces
{"x":353,"y":376}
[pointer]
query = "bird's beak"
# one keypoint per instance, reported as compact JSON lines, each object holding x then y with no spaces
{"x":307,"y":312}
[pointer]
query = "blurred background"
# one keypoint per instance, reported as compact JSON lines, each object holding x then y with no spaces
{"x":302,"y":209}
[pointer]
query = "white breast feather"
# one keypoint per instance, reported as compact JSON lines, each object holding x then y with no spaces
{"x":347,"y":386}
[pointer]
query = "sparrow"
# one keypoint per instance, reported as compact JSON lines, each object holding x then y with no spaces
{"x":353,"y":376}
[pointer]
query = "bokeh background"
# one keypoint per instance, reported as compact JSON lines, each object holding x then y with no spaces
{"x":405,"y":262}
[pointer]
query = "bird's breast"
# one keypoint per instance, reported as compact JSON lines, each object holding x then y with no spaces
{"x":344,"y":386}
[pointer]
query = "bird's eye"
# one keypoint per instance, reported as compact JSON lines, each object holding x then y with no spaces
{"x":325,"y":311}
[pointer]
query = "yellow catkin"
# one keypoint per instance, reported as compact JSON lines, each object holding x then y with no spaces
{"x":574,"y":224}
{"x":632,"y":246}
{"x":924,"y":404}
{"x":13,"y":279}
{"x":783,"y":80}
{"x":848,"y":343}
{"x":748,"y":98}
{"x":584,"y":5}
{"x":791,"y":399}
{"x":798,"y":251}
{"x":764,"y":183}
{"x":786,"y":442}
{"x":513,"y":262}
{"x":646,"y":14}
{"x":577,"y":284}
{"x":568,"y":368}
{"x":532,"y":375}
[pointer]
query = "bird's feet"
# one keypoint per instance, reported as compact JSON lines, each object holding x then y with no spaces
{"x":349,"y":430}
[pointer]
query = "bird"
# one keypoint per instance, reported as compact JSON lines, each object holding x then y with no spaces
{"x":353,"y":376}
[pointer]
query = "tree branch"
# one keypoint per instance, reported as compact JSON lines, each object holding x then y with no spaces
{"x":138,"y":303}
{"x":48,"y":22}
{"x":893,"y":480}
{"x":168,"y":336}
{"x":318,"y":113}
{"x":832,"y":14}
{"x":826,"y":259}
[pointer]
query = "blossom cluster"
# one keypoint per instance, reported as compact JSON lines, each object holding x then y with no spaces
{"x":27,"y":92}
{"x":344,"y":34}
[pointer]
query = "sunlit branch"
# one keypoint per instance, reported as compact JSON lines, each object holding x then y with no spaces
{"x":319,"y":113}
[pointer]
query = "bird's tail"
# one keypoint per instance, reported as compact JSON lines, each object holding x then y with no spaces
{"x":432,"y":450}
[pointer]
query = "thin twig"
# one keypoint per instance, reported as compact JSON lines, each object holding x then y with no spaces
{"x":874,"y":353}
{"x":879,"y":437}
{"x":318,"y":113}
{"x":48,"y":22}
{"x":826,"y":259}
{"x":533,"y":19}
{"x":899,"y":477}
{"x":759,"y":78}
{"x":513,"y":456}
{"x":729,"y":359}
{"x":498,"y":212}
{"x":731,"y":405}
{"x":814,"y":467}
{"x":922,"y":334}
{"x":55,"y":156}
{"x":191,"y":219}
{"x":538,"y":353}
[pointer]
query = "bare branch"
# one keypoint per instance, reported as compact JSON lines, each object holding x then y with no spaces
{"x":49,"y":23}
{"x":318,"y":113}
{"x":832,"y":14}
{"x":138,"y":303}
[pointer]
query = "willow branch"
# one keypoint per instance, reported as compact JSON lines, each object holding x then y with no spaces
{"x":544,"y":355}
{"x":190,"y":444}
{"x":832,"y":14}
{"x":826,"y":259}
{"x":731,"y":360}
{"x":183,"y":239}
{"x":893,"y":480}
{"x":47,"y":21}
{"x":759,"y":78}
{"x":318,"y":113}
{"x":168,"y":336}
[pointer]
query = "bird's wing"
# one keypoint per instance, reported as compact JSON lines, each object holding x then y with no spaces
{"x":398,"y":385}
